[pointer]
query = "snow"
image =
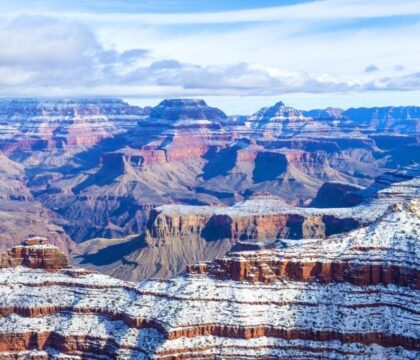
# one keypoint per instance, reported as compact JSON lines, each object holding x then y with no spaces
{"x":189,"y":300}
{"x":97,"y":301}
{"x":365,"y":213}
{"x":393,"y":239}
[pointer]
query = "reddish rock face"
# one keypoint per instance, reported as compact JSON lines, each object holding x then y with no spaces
{"x":315,"y":300}
{"x":263,"y":268}
{"x":363,"y":257}
{"x":34,"y":253}
{"x":42,"y":125}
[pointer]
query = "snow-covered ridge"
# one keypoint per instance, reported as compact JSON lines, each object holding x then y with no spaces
{"x":200,"y":314}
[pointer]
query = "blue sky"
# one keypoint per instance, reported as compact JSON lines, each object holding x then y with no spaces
{"x":239,"y":55}
{"x":149,"y":6}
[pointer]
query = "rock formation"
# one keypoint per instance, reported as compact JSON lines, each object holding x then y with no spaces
{"x":83,"y":169}
{"x":383,"y":253}
{"x":178,"y":235}
{"x":50,"y":124}
{"x":101,"y":165}
{"x":34,"y":253}
{"x":352,"y":295}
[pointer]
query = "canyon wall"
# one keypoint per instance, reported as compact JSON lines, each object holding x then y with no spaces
{"x":352,"y":294}
{"x":100,"y":165}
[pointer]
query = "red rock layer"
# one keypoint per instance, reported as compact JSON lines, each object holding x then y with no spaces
{"x":266,"y":269}
{"x":36,"y":253}
{"x":245,"y":267}
{"x":107,"y":346}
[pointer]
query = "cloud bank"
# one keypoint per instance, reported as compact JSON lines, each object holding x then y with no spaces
{"x":305,"y":48}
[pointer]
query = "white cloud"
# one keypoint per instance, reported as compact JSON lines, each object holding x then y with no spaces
{"x":45,"y":51}
{"x":266,"y":52}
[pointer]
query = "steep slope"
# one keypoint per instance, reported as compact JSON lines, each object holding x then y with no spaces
{"x":101,"y":165}
{"x":12,"y":180}
{"x":177,"y":235}
{"x":51,"y":124}
{"x":21,"y":216}
{"x":353,"y":295}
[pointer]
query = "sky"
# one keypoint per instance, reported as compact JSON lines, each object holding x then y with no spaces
{"x":239,"y":55}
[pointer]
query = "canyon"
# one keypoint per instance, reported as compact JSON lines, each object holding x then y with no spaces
{"x":349,"y":295}
{"x":117,"y":185}
{"x":179,"y":232}
{"x":179,"y":235}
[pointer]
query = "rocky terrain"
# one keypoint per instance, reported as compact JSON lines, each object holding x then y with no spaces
{"x":32,"y":125}
{"x":21,"y":215}
{"x":178,"y":235}
{"x":81,"y":169}
{"x":352,"y":295}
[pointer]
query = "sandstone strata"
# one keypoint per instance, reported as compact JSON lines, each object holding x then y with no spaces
{"x":100,"y":165}
{"x":178,"y":235}
{"x":245,"y":306}
{"x":34,"y":253}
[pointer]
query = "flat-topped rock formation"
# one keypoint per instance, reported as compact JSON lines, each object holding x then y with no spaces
{"x":178,"y":235}
{"x":35,"y":253}
{"x":349,"y":295}
{"x":52,"y":124}
{"x":100,"y":165}
{"x":174,"y":110}
{"x":265,"y":217}
{"x":386,"y":252}
{"x":260,"y":218}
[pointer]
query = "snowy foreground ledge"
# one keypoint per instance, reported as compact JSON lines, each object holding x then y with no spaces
{"x":50,"y":310}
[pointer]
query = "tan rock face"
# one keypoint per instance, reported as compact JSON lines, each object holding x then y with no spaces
{"x":34,"y":253}
{"x":252,"y":227}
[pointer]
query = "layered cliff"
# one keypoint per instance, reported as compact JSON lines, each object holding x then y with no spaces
{"x":178,"y":235}
{"x":36,"y":253}
{"x":259,"y":218}
{"x":385,"y":252}
{"x":352,"y":295}
{"x":98,"y":166}
{"x":51,"y":124}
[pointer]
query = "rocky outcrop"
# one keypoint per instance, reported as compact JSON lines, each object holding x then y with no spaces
{"x":51,"y":124}
{"x":100,"y":165}
{"x":244,"y":306}
{"x":34,"y":253}
{"x":388,"y":257}
{"x":258,"y":219}
{"x":178,"y":235}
